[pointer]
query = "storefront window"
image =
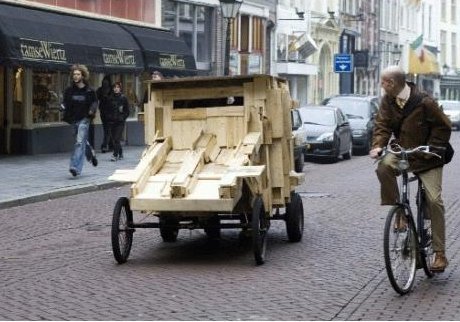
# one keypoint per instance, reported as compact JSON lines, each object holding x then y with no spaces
{"x":46,"y":97}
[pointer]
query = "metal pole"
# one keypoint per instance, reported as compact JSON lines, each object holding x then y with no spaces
{"x":227,"y":47}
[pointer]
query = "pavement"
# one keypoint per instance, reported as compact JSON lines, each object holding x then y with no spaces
{"x":32,"y":178}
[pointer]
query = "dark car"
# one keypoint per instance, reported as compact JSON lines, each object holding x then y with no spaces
{"x":361,"y":111}
{"x":328,"y":132}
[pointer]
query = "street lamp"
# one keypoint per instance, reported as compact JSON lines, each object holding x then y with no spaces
{"x":229,"y":10}
{"x":445,"y":69}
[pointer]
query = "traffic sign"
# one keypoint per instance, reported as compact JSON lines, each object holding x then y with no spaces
{"x":343,"y":63}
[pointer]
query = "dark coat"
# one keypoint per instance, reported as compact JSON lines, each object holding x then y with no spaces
{"x":78,"y":102}
{"x":104,"y":101}
{"x":425,"y":125}
{"x":118,"y":110}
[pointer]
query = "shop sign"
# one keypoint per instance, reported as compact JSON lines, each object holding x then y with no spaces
{"x":42,"y":50}
{"x":172,"y":61}
{"x":118,"y":57}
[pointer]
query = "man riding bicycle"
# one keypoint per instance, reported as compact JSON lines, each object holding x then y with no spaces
{"x":413,"y":118}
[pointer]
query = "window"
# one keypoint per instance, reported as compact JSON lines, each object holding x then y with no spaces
{"x":194,"y":26}
{"x":443,"y":46}
{"x":453,"y":12}
{"x":454,"y":50}
{"x":46,"y":96}
{"x":257,"y":34}
{"x":245,"y":32}
{"x":443,"y":10}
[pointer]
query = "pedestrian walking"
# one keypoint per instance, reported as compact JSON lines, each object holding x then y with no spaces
{"x":80,"y":105}
{"x":104,"y":94}
{"x":118,"y":113}
{"x":413,"y":118}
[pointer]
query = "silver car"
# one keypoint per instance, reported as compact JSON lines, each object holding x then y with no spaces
{"x":452,"y":110}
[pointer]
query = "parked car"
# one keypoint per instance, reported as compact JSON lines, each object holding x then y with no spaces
{"x":300,"y":136}
{"x":361,"y":111}
{"x":452,"y":110}
{"x":328,"y":132}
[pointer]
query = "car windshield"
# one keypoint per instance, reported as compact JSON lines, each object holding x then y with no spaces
{"x":450,"y":106}
{"x":318,"y":116}
{"x":353,"y":108}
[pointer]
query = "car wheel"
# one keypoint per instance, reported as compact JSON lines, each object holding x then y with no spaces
{"x":347,"y":156}
{"x":298,"y":163}
{"x":349,"y":153}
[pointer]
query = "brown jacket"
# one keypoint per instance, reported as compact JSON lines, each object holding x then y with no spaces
{"x":425,"y":125}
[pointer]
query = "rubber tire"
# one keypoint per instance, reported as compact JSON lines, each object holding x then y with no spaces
{"x":259,"y":231}
{"x":299,"y":163}
{"x":424,"y":238}
{"x":169,"y":228}
{"x":294,"y":218}
{"x":122,"y":215}
{"x":347,"y":156}
{"x":406,"y":286}
{"x":212,"y":228}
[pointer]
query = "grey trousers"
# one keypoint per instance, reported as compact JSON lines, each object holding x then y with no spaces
{"x":432,"y":180}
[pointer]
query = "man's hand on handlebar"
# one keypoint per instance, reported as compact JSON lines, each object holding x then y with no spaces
{"x":375,"y":153}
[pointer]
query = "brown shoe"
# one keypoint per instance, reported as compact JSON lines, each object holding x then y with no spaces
{"x":440,"y":262}
{"x":400,"y":223}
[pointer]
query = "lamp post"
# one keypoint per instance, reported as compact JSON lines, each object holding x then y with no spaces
{"x":229,"y":10}
{"x":445,"y":69}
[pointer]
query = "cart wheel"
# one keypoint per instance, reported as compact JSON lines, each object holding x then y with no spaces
{"x":259,"y":231}
{"x":294,"y":218}
{"x":122,"y":231}
{"x":212,"y":227}
{"x":169,"y":229}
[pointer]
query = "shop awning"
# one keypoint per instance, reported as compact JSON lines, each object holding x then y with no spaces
{"x":50,"y":40}
{"x":163,"y":51}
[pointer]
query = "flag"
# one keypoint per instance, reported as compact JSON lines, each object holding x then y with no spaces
{"x":417,"y":47}
{"x":421,"y":59}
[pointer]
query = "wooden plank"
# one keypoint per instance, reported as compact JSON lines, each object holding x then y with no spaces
{"x":184,"y":204}
{"x":225,"y":111}
{"x":185,"y":133}
{"x":286,"y":104}
{"x":202,"y":92}
{"x":275,"y":113}
{"x":188,"y":114}
{"x":296,"y":179}
{"x":207,"y":142}
{"x":248,"y":104}
{"x":149,"y":165}
{"x":260,"y":88}
{"x":181,"y":185}
{"x":276,"y":164}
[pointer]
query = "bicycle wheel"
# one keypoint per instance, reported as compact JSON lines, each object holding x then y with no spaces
{"x":400,"y":250}
{"x":122,"y":231}
{"x":424,"y":233}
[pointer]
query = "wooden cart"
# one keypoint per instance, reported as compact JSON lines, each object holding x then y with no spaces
{"x":219,"y":155}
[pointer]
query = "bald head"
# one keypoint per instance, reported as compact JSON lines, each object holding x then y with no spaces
{"x":393,"y":80}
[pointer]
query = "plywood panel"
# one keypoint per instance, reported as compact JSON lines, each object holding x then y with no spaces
{"x":185,"y":133}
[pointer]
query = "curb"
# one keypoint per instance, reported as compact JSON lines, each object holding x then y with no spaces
{"x":59,"y":194}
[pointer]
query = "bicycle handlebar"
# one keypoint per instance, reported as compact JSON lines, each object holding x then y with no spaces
{"x":422,"y":148}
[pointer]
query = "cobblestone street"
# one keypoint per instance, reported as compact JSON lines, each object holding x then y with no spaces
{"x":57,"y":262}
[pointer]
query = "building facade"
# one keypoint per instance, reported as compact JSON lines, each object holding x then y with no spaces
{"x":42,"y":39}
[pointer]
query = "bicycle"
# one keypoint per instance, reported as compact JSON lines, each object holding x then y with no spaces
{"x":407,"y":246}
